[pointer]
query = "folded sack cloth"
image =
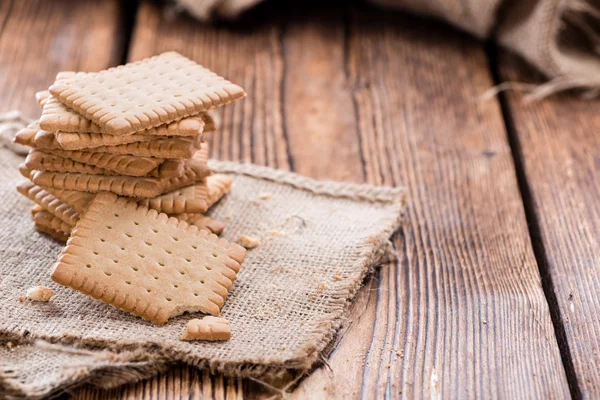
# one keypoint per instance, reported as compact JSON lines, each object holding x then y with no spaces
{"x":317,"y":241}
{"x":558,"y":37}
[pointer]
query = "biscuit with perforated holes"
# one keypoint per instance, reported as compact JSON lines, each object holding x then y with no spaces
{"x":120,"y":163}
{"x":145,"y":94}
{"x":56,"y":117}
{"x":147,"y":263}
{"x":207,"y":328}
{"x":89,"y":141}
{"x":169,"y":147}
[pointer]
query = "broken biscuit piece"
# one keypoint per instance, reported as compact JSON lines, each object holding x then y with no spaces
{"x":248,"y":242}
{"x":39,"y":293}
{"x":207,"y":328}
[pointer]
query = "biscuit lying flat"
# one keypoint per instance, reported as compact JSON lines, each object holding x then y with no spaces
{"x":146,"y":263}
{"x":56,"y":117}
{"x":192,"y":126}
{"x":141,"y":187}
{"x":151,"y":92}
{"x":207,"y":328}
{"x":87,"y":141}
{"x":190,"y":199}
{"x":169,"y":147}
{"x":49,"y":162}
{"x":119,"y":163}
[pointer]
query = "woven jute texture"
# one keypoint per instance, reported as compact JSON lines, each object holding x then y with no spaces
{"x":559,"y":37}
{"x":285,"y":306}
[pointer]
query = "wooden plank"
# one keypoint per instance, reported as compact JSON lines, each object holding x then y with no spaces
{"x":369,"y":95}
{"x":461,"y":314}
{"x":559,"y":145}
{"x":39,"y":38}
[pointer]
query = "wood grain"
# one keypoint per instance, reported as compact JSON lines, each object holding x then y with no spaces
{"x":558,"y":142}
{"x":39,"y":38}
{"x":366,"y":95}
{"x":370,"y":95}
{"x":461,"y":314}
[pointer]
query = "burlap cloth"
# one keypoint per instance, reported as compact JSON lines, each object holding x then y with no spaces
{"x":284,"y":308}
{"x":559,"y":37}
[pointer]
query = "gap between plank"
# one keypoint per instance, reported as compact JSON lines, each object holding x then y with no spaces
{"x":129,"y":9}
{"x":533,"y":226}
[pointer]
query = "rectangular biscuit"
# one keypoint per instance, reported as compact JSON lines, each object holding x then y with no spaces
{"x":41,"y":161}
{"x":146,"y":263}
{"x":141,"y":187}
{"x":119,"y":163}
{"x":86,"y":141}
{"x":187,"y":127}
{"x":56,"y":117}
{"x":171,"y":147}
{"x":145,"y":94}
{"x":49,"y":202}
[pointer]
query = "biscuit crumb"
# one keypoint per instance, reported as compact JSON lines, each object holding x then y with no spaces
{"x":227,"y":217}
{"x":322,"y":287}
{"x":21,"y":298}
{"x":9,"y":345}
{"x":248,"y":242}
{"x":337,"y":278}
{"x":208,"y":328}
{"x":39,"y":293}
{"x":265,"y":195}
{"x":108,"y":313}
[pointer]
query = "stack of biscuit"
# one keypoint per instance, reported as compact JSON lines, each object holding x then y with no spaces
{"x":137,"y":130}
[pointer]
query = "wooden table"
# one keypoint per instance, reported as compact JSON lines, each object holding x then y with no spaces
{"x":496,"y":289}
